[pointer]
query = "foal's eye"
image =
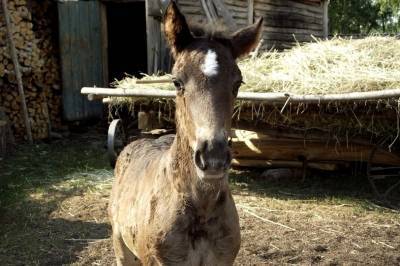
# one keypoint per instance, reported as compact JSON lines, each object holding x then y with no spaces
{"x":236,"y":87}
{"x":178,"y":84}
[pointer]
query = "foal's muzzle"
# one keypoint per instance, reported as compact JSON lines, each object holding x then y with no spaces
{"x":212,"y":158}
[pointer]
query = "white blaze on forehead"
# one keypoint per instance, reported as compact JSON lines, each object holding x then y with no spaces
{"x":210,"y":65}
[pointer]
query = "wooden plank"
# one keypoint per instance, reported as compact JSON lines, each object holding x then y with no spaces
{"x":296,"y":10}
{"x":153,"y":32}
{"x":82,"y":53}
{"x":84,"y":18}
{"x":291,"y":24}
{"x":209,"y":11}
{"x":326,"y":18}
{"x":188,"y":3}
{"x":191,"y":10}
{"x":290,"y":16}
{"x":223,"y":10}
{"x":250,"y":12}
{"x":326,"y":166}
{"x":104,"y":41}
{"x":293,"y":4}
{"x":65,"y":39}
{"x":274,"y":8}
{"x":293,"y":31}
{"x":289,"y":37}
{"x":256,"y":147}
{"x":282,"y":4}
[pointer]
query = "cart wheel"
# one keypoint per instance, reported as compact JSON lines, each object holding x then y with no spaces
{"x":116,"y":140}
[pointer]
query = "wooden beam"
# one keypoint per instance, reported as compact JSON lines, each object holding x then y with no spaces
{"x":325,"y":4}
{"x":277,"y":97}
{"x":326,"y":166}
{"x":104,"y":41}
{"x":223,"y":10}
{"x":247,"y":145}
{"x":208,"y":10}
{"x":250,"y":12}
{"x":17,"y":71}
{"x":153,"y":33}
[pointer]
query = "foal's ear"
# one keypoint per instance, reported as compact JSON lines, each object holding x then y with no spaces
{"x":246,"y":39}
{"x":177,"y":30}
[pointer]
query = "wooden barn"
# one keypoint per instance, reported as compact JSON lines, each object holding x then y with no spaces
{"x":102,"y":40}
{"x":65,"y":45}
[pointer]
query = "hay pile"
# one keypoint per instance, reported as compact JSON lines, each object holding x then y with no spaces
{"x":334,"y":66}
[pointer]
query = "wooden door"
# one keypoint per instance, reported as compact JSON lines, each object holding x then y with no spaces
{"x":158,"y":57}
{"x":82,"y":35}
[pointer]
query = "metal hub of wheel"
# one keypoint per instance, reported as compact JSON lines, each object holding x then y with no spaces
{"x":116,"y":140}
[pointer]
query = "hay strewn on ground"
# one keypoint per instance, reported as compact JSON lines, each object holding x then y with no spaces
{"x":333,"y":66}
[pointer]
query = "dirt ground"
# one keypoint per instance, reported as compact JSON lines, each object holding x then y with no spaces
{"x":53,"y":201}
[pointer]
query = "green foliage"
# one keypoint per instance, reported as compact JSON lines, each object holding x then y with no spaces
{"x":391,"y":4}
{"x":364,"y":16}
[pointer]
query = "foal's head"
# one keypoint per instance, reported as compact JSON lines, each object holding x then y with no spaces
{"x":207,"y":80}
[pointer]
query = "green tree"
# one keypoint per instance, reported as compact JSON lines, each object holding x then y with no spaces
{"x":389,"y":15}
{"x":364,"y":16}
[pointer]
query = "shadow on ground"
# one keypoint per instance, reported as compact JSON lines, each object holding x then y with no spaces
{"x":344,"y":186}
{"x":43,"y":214}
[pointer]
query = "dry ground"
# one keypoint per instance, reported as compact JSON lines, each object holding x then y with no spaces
{"x":53,"y":201}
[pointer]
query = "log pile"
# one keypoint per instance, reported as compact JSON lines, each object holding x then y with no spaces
{"x":35,"y":39}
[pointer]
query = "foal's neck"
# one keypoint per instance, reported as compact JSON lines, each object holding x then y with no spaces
{"x":184,"y":177}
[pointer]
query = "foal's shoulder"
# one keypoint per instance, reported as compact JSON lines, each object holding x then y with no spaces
{"x":143,"y":150}
{"x":146,"y":145}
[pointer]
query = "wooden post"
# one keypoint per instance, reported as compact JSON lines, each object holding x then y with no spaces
{"x":250,"y":12}
{"x":223,"y":10}
{"x":326,"y":18}
{"x":13,"y":53}
{"x":208,"y":11}
{"x":153,"y":32}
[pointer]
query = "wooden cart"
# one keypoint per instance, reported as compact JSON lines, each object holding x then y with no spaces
{"x":257,"y":148}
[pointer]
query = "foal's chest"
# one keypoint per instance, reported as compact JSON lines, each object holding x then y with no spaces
{"x":197,"y":240}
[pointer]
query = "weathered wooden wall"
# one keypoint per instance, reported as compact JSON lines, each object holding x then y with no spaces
{"x":285,"y":21}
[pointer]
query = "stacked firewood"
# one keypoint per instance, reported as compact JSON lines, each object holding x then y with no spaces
{"x":34,"y":34}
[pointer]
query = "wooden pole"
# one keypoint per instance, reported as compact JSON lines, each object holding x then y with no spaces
{"x":207,"y":11}
{"x":272,"y":97}
{"x":223,"y":10}
{"x":250,"y":12}
{"x":325,"y":4}
{"x":17,"y":71}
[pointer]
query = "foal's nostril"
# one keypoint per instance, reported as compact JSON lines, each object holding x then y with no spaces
{"x":199,"y":161}
{"x":202,"y":146}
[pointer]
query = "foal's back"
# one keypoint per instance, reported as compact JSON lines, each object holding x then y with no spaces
{"x":140,"y":154}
